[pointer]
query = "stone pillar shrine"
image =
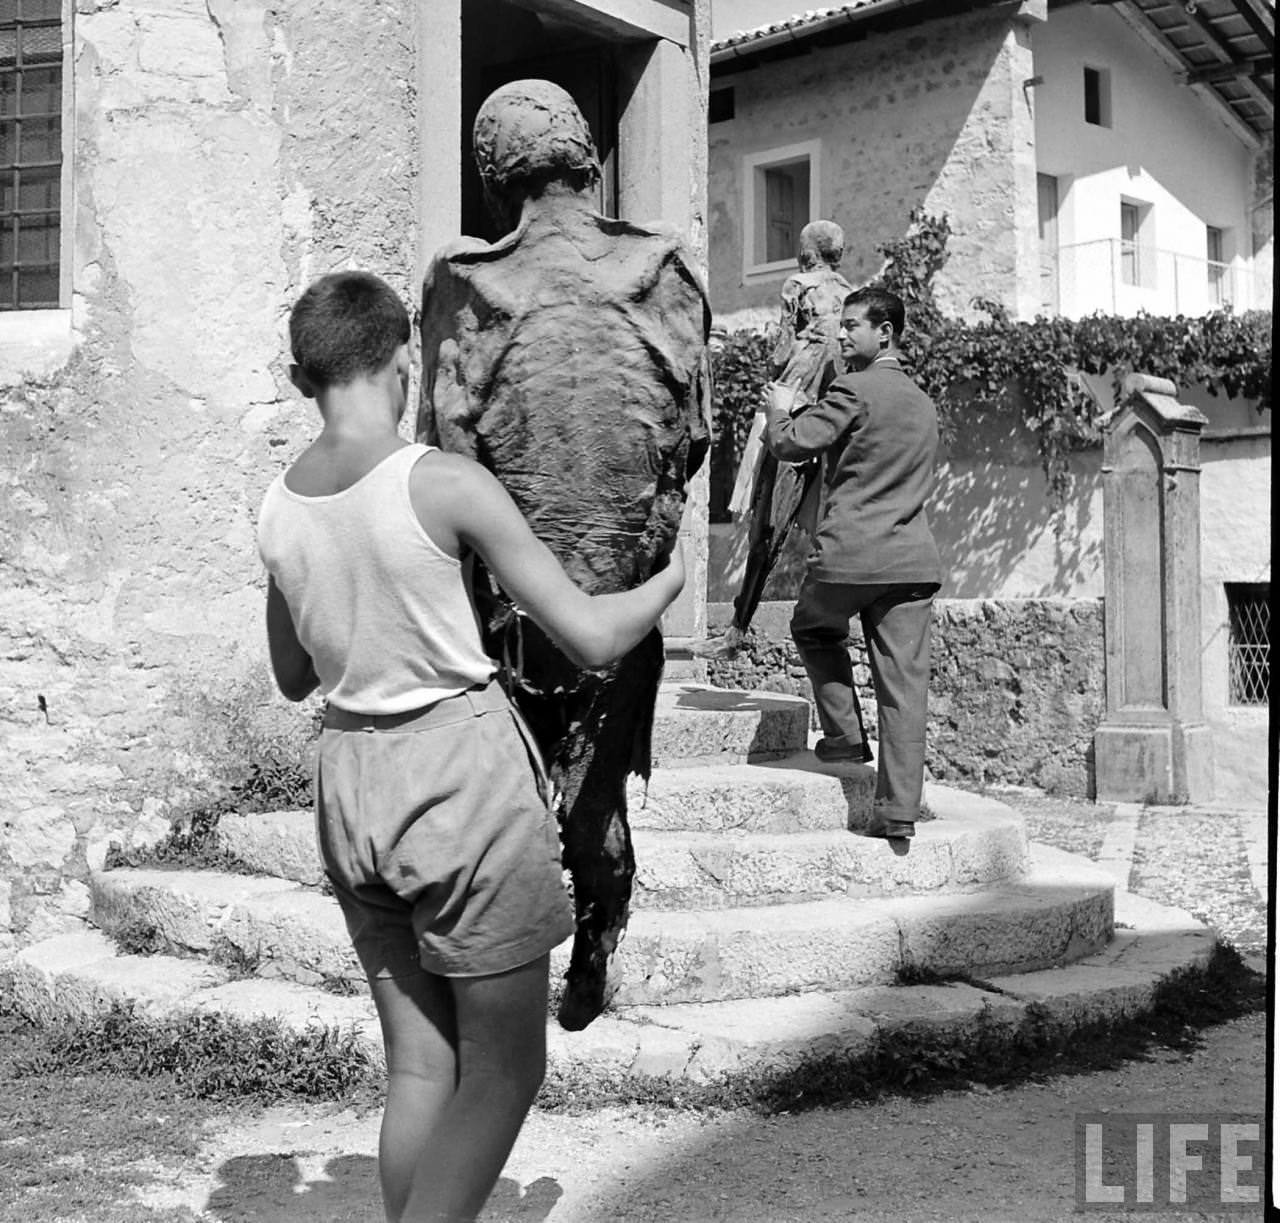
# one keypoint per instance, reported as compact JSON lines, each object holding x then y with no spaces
{"x":1153,"y":745}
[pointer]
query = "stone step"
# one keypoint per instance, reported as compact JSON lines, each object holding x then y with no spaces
{"x":973,"y":845}
{"x":1058,"y":911}
{"x":698,"y":724}
{"x":695,"y":850}
{"x":793,"y":793}
{"x":788,"y":793}
{"x":80,"y":975}
{"x":84,"y":972}
{"x":701,"y":870}
{"x":253,"y":925}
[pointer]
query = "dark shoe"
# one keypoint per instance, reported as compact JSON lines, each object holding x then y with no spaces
{"x":893,"y":830}
{"x":829,"y":750}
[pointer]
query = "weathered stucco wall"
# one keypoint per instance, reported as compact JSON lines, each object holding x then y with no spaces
{"x":1235,"y":546}
{"x":1000,"y":532}
{"x":1002,"y":537}
{"x":1015,"y":694}
{"x":226,"y":153}
{"x":933,"y":116}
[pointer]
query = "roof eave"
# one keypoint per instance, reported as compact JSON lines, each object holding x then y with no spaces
{"x":795,"y":39}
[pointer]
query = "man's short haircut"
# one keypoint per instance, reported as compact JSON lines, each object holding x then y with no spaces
{"x":880,"y":306}
{"x":346,"y":324}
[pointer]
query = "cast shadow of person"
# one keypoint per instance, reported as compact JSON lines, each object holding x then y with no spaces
{"x":270,"y":1188}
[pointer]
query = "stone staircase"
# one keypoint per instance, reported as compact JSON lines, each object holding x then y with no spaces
{"x":765,"y":928}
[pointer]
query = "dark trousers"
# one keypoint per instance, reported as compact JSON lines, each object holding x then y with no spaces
{"x":896,"y":622}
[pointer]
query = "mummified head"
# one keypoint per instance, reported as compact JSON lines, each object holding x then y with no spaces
{"x":529,"y":133}
{"x":821,"y":242}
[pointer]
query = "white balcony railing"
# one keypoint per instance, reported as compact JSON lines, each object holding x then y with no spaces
{"x":1119,"y":277}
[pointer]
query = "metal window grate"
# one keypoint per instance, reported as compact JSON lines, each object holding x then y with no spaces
{"x":1249,"y":642}
{"x":30,"y":152}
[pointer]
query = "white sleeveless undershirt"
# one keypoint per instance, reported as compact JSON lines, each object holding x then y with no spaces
{"x":384,"y":613}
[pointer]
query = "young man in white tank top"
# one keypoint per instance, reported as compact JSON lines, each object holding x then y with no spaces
{"x":432,"y":816}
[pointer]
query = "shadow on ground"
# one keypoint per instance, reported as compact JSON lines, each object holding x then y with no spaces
{"x":257,"y":1188}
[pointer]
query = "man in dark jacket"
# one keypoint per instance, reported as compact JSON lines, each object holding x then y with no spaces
{"x":874,"y":555}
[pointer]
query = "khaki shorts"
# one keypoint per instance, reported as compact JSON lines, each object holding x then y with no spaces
{"x":435,"y":832}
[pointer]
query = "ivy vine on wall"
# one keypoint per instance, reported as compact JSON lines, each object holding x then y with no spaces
{"x":1032,"y":368}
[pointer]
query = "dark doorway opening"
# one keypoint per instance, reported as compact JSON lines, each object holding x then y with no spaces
{"x":502,"y":42}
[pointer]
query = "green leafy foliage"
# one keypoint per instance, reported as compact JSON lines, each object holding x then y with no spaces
{"x":741,"y":372}
{"x":1031,"y":368}
{"x":910,"y":264}
{"x":741,"y":364}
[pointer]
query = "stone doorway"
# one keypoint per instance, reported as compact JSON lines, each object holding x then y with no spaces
{"x":502,"y":42}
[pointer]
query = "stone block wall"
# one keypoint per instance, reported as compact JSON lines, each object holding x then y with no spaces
{"x":226,"y":152}
{"x":932,"y":116}
{"x":1016,"y":693}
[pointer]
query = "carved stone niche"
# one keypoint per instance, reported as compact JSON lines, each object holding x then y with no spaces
{"x":1153,"y":745}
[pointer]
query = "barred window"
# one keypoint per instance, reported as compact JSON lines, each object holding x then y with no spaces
{"x":1249,"y":642}
{"x":30,"y":152}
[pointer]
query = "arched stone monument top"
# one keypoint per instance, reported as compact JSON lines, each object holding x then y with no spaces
{"x":1161,"y":396}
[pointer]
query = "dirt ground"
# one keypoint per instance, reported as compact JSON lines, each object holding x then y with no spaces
{"x":93,"y":1151}
{"x":90,"y":1149}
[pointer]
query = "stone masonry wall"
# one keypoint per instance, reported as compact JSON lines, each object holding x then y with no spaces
{"x":1016,"y":692}
{"x":932,"y":116}
{"x":226,"y":152}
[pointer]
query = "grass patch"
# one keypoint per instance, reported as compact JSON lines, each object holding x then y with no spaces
{"x":191,"y":844}
{"x":258,"y":749}
{"x":250,"y":751}
{"x":342,"y":987}
{"x":209,"y":1057}
{"x":920,"y":1062}
{"x":238,"y":963}
{"x":911,"y":973}
{"x":138,"y":936}
{"x":206,"y":1056}
{"x":81,"y":1146}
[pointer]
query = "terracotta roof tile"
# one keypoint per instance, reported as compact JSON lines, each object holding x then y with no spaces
{"x":792,"y":24}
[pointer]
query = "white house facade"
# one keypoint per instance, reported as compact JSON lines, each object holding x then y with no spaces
{"x":1087,"y":158}
{"x":1108,"y":158}
{"x":1145,"y":194}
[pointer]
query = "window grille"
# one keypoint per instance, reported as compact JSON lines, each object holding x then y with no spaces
{"x":30,"y":152}
{"x":1249,"y":642}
